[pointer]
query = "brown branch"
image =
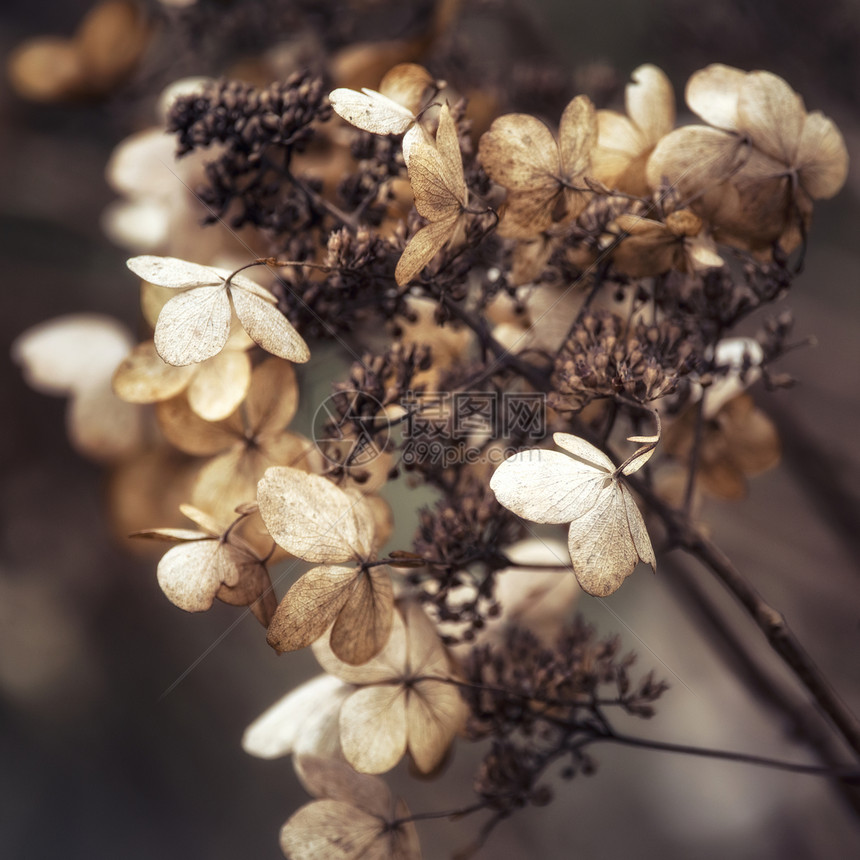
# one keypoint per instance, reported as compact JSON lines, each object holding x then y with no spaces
{"x":771,"y":622}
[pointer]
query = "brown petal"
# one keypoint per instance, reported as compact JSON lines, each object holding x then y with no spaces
{"x":423,"y":247}
{"x":407,"y":83}
{"x":364,"y":624}
{"x":519,"y":152}
{"x":309,"y":607}
{"x":577,"y":135}
{"x":190,"y":433}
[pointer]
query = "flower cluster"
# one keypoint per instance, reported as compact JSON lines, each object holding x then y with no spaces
{"x":594,"y":271}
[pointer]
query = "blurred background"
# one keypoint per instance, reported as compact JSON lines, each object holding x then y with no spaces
{"x":121,"y":716}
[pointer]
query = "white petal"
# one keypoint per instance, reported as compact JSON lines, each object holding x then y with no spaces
{"x":193,"y":326}
{"x":71,"y":352}
{"x":173,"y":273}
{"x":371,"y":111}
{"x":546,"y":486}
{"x":287,"y":725}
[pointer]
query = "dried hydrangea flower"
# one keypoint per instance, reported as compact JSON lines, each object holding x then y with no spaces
{"x":76,"y":355}
{"x":624,"y":142}
{"x":607,"y":536}
{"x":195,"y":324}
{"x":404,"y":699}
{"x":315,"y":520}
{"x":545,"y":179}
{"x":355,"y":817}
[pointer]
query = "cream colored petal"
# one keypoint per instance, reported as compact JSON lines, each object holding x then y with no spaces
{"x":373,"y":728}
{"x":582,"y":450}
{"x":601,"y":547}
{"x":546,"y":486}
{"x":280,"y":729}
{"x":425,"y":652}
{"x":363,"y":625}
{"x":616,"y":134}
{"x":229,"y":480}
{"x":702,"y":253}
{"x":821,"y":157}
{"x":650,"y":102}
{"x":332,"y":829}
{"x":152,"y":300}
{"x":619,"y":142}
{"x":535,"y":597}
{"x":144,"y":377}
{"x":138,"y":161}
{"x":269,"y":327}
{"x":371,"y":111}
{"x":309,"y":607}
{"x":70,"y":352}
{"x":712,"y":93}
{"x":694,"y":158}
{"x":193,"y":326}
{"x":273,"y":396}
{"x":173,"y":273}
{"x":206,"y":522}
{"x":388,"y":665}
{"x":308,"y":515}
{"x":773,"y":115}
{"x":220,"y":384}
{"x":191,"y":574}
{"x":435,"y":713}
{"x":519,"y":152}
{"x":638,"y":531}
{"x":577,"y":135}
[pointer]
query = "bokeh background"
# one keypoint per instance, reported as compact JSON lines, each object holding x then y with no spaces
{"x":97,"y":760}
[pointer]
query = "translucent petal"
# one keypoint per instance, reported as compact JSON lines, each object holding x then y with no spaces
{"x":371,"y":111}
{"x":269,"y":327}
{"x":546,"y":486}
{"x":712,"y":94}
{"x":173,"y":273}
{"x":309,"y":607}
{"x":519,"y":152}
{"x":279,"y":730}
{"x":193,"y":326}
{"x":373,"y":728}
